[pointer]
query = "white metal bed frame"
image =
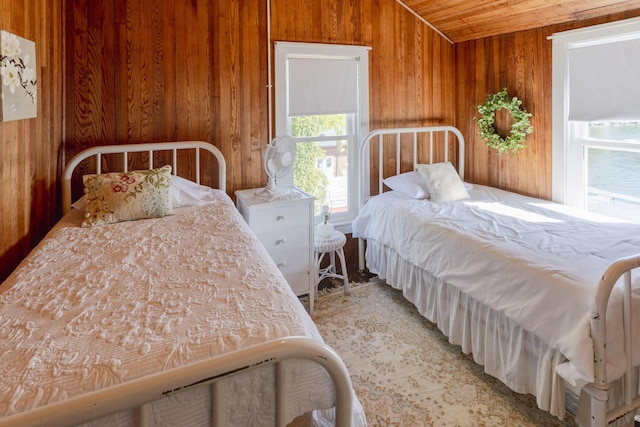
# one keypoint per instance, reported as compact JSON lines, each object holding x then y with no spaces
{"x":598,"y":391}
{"x":137,"y":394}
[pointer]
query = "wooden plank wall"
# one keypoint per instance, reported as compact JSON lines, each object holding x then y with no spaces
{"x":521,"y":62}
{"x":156,"y":70}
{"x":197,"y":69}
{"x":141,"y":70}
{"x":29,"y":149}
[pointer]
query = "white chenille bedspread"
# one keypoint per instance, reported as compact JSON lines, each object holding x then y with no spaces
{"x":92,"y":307}
{"x":537,"y":262}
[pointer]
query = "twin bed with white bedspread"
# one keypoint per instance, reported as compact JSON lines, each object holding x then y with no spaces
{"x":154,"y":321}
{"x":519,"y":282}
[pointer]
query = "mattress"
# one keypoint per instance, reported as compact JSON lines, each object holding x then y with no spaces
{"x":532,"y":262}
{"x":93,"y":307}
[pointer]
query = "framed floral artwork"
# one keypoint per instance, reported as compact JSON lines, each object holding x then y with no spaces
{"x":18,"y":92}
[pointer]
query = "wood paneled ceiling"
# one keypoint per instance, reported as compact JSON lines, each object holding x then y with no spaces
{"x":462,"y":20}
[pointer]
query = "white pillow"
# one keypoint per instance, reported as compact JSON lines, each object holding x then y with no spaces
{"x":443,"y":182}
{"x":410,"y":183}
{"x":188,"y":193}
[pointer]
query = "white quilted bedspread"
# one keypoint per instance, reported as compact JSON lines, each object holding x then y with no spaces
{"x":92,"y":307}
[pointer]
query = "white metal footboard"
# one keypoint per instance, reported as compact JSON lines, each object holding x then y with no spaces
{"x":599,"y":390}
{"x":139,"y":393}
{"x":395,"y":136}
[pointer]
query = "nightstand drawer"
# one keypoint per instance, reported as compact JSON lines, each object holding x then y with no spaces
{"x":287,"y":239}
{"x":291,"y":261}
{"x":279,"y":217}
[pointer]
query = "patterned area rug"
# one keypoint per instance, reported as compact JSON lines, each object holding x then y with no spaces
{"x":406,"y":373}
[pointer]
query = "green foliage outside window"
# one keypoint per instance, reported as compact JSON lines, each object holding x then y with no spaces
{"x":303,"y":126}
{"x":305,"y":173}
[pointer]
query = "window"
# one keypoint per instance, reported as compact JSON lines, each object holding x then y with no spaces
{"x":612,"y":162}
{"x":322,"y":101}
{"x":596,"y":119}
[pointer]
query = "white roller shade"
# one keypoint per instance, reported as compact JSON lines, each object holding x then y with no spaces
{"x":604,"y":82}
{"x":322,"y":86}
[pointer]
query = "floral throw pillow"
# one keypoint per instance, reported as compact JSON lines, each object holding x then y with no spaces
{"x":124,"y":196}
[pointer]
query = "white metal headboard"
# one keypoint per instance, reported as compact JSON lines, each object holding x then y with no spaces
{"x":125,"y":149}
{"x":378,"y":135}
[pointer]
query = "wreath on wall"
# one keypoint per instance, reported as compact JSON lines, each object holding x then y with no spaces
{"x":519,"y":129}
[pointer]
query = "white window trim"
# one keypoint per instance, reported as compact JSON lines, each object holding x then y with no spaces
{"x":286,"y":50}
{"x":565,"y":144}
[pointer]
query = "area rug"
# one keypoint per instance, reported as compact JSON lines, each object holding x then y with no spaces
{"x":405,"y":372}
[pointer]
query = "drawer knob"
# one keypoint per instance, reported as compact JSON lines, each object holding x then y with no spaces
{"x":281,"y":217}
{"x":281,"y":241}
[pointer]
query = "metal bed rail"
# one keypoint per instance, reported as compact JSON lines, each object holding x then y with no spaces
{"x":137,"y":394}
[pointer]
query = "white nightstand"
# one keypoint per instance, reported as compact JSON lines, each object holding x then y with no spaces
{"x":285,"y":229}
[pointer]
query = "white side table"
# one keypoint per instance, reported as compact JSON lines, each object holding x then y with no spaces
{"x":285,"y":229}
{"x":334,"y":244}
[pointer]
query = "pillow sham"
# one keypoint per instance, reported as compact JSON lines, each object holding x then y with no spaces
{"x":410,"y":183}
{"x":185,"y":192}
{"x":125,"y":196}
{"x":443,"y":182}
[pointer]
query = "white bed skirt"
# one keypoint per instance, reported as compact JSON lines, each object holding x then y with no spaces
{"x":518,"y":358}
{"x":527,"y":367}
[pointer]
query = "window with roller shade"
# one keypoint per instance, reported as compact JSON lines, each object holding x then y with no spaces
{"x":596,"y":118}
{"x":322,"y":101}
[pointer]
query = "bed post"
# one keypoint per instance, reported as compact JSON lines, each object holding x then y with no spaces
{"x":599,"y":390}
{"x":596,"y":416}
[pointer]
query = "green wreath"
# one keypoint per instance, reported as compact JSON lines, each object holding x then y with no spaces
{"x":519,"y":129}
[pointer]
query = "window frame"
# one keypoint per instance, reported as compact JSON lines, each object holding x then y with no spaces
{"x":359,"y":122}
{"x":569,"y":139}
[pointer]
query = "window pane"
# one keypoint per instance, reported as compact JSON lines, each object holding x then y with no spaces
{"x":330,"y":124}
{"x":336,"y":171}
{"x":322,"y":165}
{"x":613,"y":183}
{"x":615,"y":131}
{"x":308,"y":172}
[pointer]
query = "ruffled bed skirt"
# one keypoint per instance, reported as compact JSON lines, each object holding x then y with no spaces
{"x":516,"y":357}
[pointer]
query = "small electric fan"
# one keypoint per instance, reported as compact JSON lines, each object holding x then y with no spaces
{"x":279,"y":158}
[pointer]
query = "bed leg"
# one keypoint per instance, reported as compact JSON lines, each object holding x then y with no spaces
{"x":280,"y":395}
{"x":217,"y":411}
{"x":144,"y":415}
{"x":360,"y":254}
{"x":597,"y":413}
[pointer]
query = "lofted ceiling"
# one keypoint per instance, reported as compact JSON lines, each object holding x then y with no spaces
{"x":462,"y":20}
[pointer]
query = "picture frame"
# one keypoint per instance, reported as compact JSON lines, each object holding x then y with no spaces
{"x":19,"y":89}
